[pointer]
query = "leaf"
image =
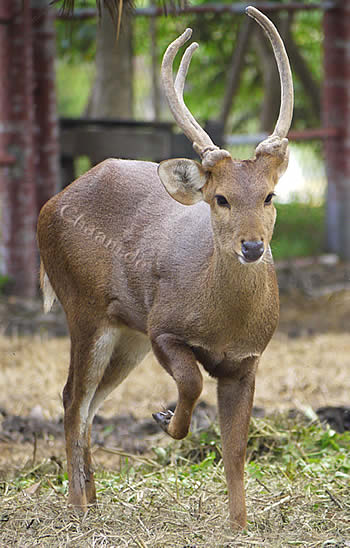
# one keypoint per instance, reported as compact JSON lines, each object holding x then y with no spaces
{"x":32,"y":489}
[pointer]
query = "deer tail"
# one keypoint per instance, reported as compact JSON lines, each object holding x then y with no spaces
{"x":49,"y":295}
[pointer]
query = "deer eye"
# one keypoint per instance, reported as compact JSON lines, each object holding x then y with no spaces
{"x":221,"y":201}
{"x":268,"y":198}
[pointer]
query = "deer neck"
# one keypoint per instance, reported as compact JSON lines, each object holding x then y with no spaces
{"x":228,"y":277}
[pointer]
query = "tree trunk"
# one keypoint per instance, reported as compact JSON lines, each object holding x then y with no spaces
{"x":112,"y":95}
{"x":299,"y":65}
{"x":236,"y":67}
{"x":156,"y":94}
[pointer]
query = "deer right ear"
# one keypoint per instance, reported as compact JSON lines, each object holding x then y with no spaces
{"x":183,"y":179}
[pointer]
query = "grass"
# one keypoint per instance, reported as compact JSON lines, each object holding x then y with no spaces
{"x":299,"y":231}
{"x":298,"y":488}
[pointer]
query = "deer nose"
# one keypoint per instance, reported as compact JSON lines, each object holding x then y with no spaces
{"x":252,"y":251}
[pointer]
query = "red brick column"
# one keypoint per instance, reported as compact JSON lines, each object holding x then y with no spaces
{"x":46,"y":123}
{"x":28,"y":134}
{"x":19,"y":196}
{"x":336,"y":113}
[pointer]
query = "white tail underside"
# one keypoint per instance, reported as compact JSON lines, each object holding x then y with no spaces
{"x":48,"y":294}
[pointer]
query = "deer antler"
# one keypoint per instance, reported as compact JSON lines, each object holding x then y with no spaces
{"x":277,"y":142}
{"x":202,"y":143}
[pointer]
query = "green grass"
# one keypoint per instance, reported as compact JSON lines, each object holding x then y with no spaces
{"x":299,"y":231}
{"x":298,"y":487}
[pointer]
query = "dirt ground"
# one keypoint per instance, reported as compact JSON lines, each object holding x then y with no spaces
{"x":305,"y":367}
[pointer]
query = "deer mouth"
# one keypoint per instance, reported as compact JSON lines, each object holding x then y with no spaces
{"x":245,"y":261}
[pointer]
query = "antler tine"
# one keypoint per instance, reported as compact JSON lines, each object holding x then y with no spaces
{"x":183,"y":69}
{"x":180,"y":84}
{"x":173,"y":92}
{"x":287,"y":94}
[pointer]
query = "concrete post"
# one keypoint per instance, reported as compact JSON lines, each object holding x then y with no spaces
{"x":5,"y":159}
{"x":336,"y":113}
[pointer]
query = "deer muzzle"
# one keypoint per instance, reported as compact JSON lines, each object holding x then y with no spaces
{"x":252,"y":251}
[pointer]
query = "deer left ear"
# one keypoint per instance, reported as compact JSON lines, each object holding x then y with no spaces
{"x":277,"y":149}
{"x":183,"y":179}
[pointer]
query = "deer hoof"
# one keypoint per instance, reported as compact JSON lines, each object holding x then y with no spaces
{"x":163,"y":418}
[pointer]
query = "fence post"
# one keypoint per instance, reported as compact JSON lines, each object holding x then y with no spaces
{"x":46,"y":119}
{"x":29,"y":168}
{"x":18,"y":196}
{"x":336,"y":113}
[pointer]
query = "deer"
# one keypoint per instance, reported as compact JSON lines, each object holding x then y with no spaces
{"x":173,"y":258}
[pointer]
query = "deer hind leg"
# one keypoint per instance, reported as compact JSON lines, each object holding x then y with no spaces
{"x":91,"y":350}
{"x":180,"y":362}
{"x":132,"y":347}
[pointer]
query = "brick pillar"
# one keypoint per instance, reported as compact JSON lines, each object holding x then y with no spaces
{"x":5,"y":159}
{"x":46,"y":123}
{"x":336,"y":113}
{"x":19,"y":196}
{"x":29,"y":168}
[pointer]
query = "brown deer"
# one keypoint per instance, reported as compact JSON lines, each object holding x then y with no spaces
{"x":175,"y":258}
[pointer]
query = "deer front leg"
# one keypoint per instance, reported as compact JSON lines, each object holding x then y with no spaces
{"x":235,"y":400}
{"x":179,"y":361}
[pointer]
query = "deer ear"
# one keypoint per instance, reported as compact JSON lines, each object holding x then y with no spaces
{"x":277,"y":149}
{"x":183,"y":179}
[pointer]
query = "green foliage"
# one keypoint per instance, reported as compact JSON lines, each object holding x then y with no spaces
{"x":294,"y":445}
{"x":5,"y":282}
{"x":73,"y":86}
{"x":206,"y":81}
{"x":207,"y":78}
{"x":298,"y":447}
{"x":75,"y":67}
{"x":299,"y":230}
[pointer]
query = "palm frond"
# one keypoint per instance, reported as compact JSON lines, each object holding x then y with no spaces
{"x":115,"y":7}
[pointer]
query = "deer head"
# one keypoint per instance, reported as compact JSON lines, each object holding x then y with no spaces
{"x":239,"y":192}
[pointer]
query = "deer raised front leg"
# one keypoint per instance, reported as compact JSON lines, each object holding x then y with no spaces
{"x":179,"y":361}
{"x":235,"y":400}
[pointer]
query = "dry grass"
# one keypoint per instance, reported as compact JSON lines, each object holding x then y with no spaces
{"x":175,"y":501}
{"x":156,"y":520}
{"x":307,"y":371}
{"x":297,"y":494}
